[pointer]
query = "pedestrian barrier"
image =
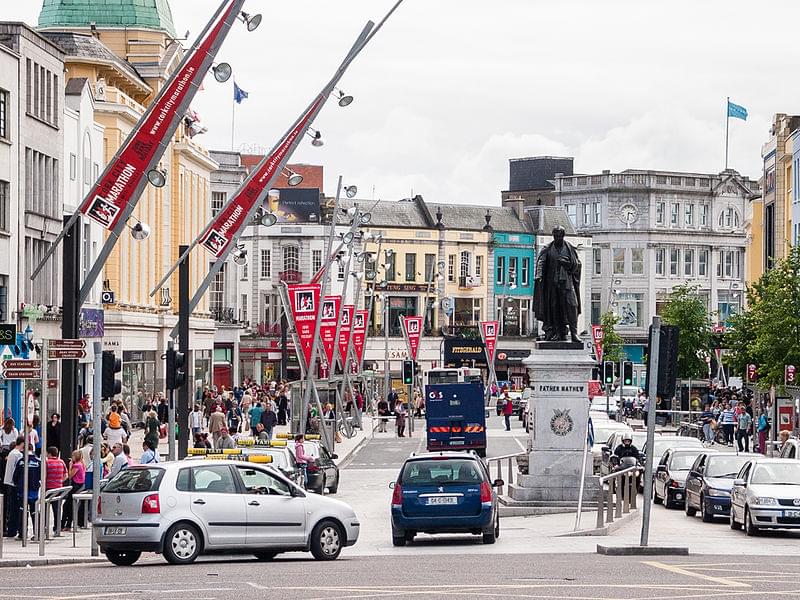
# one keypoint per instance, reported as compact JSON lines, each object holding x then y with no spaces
{"x":510,"y":464}
{"x":617,"y":495}
{"x":77,"y":500}
{"x":55,"y":497}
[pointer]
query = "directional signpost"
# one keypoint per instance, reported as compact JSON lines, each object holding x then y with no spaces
{"x":22,"y":369}
{"x":67,"y":350}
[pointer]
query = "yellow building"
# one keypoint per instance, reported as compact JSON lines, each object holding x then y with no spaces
{"x":127,"y":55}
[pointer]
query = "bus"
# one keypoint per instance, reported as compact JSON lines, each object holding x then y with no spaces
{"x":442,"y":376}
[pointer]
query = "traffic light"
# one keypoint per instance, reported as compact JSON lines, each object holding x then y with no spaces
{"x":408,"y":372}
{"x":627,"y":373}
{"x":608,"y":372}
{"x":176,"y":373}
{"x":667,"y":375}
{"x":111,"y":366}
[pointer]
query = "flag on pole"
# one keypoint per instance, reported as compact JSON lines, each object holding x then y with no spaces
{"x":736,"y":111}
{"x":239,"y":94}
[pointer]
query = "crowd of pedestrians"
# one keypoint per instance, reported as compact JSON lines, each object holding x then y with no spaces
{"x":728,"y":418}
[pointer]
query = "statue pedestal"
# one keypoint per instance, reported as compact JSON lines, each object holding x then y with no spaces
{"x":559,"y":407}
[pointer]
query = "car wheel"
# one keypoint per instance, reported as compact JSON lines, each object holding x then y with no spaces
{"x":266,"y":555}
{"x":490,"y":537}
{"x":335,"y":487}
{"x":749,"y":529}
{"x":398,"y":540}
{"x":707,"y":518}
{"x":182,"y":544}
{"x":690,"y":512}
{"x":734,"y":524}
{"x":327,"y":541}
{"x":123,"y":558}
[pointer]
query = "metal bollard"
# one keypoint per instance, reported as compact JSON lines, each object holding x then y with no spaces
{"x":600,"y":508}
{"x":626,"y":494}
{"x":634,"y":490}
{"x":618,"y":499}
{"x":610,"y":502}
{"x":510,"y":473}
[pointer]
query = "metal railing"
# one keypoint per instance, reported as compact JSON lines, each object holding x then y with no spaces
{"x":511,"y":468}
{"x":617,"y":495}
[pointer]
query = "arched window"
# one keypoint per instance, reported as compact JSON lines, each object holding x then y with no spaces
{"x":466,"y":261}
{"x":291,"y":258}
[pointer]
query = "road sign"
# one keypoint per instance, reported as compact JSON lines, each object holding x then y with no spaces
{"x":22,"y":374}
{"x":22,"y":364}
{"x":107,"y":297}
{"x":598,"y":334}
{"x":718,"y":328}
{"x":67,"y":344}
{"x":65,"y":354}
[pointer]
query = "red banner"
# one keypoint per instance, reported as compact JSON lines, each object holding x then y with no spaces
{"x":233,"y":217}
{"x":489,"y":337}
{"x":412,"y":330}
{"x":145,"y":145}
{"x":598,"y":335}
{"x":344,"y":332}
{"x":327,"y":327}
{"x":304,"y":299}
{"x":360,"y":334}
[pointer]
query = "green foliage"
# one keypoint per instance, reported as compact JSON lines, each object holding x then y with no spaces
{"x":612,"y":341}
{"x":767,"y":333}
{"x":687,"y":309}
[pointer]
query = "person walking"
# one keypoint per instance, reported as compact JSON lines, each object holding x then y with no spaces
{"x":119,"y":462}
{"x":301,"y":458}
{"x":77,"y":479}
{"x":400,"y":418}
{"x":268,"y":419}
{"x":508,"y":409}
{"x":728,"y":419}
{"x":149,"y":454}
{"x":196,"y":420}
{"x":707,"y":420}
{"x":763,"y":430}
{"x":27,"y":506}
{"x":215,"y":424}
{"x":744,"y":429}
{"x":11,"y":499}
{"x":152,"y":428}
{"x":56,"y":477}
{"x":255,"y":417}
{"x":225,"y":441}
{"x":54,"y":430}
{"x":383,"y":413}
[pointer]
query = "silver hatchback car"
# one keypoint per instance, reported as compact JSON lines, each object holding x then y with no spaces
{"x":184,"y":509}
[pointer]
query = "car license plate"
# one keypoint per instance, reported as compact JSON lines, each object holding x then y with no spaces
{"x":442,"y":500}
{"x":792,"y":514}
{"x":115,"y":530}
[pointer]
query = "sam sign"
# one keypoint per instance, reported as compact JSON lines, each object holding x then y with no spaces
{"x":412,"y":331}
{"x":489,"y":336}
{"x":304,"y":301}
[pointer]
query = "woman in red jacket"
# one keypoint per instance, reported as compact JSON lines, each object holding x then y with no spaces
{"x":508,"y":410}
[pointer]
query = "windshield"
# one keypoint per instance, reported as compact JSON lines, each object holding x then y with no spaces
{"x":662,"y":445}
{"x":725,"y":466}
{"x":440,"y":377}
{"x":441,"y":472}
{"x":601,"y":434}
{"x":787,"y":473}
{"x":134,"y":480}
{"x":682,"y":462}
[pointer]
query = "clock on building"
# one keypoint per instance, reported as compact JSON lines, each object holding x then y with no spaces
{"x":628,"y":214}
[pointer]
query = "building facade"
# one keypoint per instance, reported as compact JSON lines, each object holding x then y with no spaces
{"x":654,"y":230}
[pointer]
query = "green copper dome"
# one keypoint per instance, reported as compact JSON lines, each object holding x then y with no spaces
{"x":146,"y":14}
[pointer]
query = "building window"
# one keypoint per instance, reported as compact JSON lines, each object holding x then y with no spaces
{"x":340,"y":267}
{"x":3,"y":298}
{"x":245,"y":271}
{"x":411,"y":267}
{"x":596,"y":212}
{"x":216,"y":297}
{"x":291,"y":258}
{"x":406,"y":306}
{"x":660,"y":255}
{"x":688,"y":215}
{"x":500,"y":276}
{"x":512,"y":270}
{"x":525,"y":273}
{"x":244,"y":308}
{"x":659,"y":213}
{"x":586,"y":209}
{"x":674,"y":257}
{"x":451,"y":267}
{"x":478,"y":265}
{"x":5,"y":210}
{"x":702,"y":263}
{"x":73,"y":167}
{"x":390,"y":266}
{"x":704,"y":215}
{"x":729,"y":218}
{"x":571,"y":213}
{"x":619,"y":261}
{"x":676,"y":211}
{"x":637,"y":261}
{"x":4,"y":114}
{"x":631,"y":312}
{"x":466,"y":259}
{"x":218,"y":200}
{"x":688,"y":262}
{"x":597,"y":259}
{"x":430,"y":262}
{"x":266,"y":264}
{"x":316,"y":261}
{"x":596,"y":308}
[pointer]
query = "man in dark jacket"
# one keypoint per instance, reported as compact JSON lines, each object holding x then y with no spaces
{"x":163,"y":411}
{"x":269,"y":419}
{"x":34,"y":481}
{"x":626,"y":448}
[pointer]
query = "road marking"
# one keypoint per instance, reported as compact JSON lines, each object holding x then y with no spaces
{"x":687,"y":573}
{"x":524,"y":449}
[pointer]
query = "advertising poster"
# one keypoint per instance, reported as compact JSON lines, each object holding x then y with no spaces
{"x":305,"y":299}
{"x":344,"y":331}
{"x":327,"y":328}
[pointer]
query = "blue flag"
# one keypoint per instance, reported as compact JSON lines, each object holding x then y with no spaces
{"x":239,"y":94}
{"x":736,"y":111}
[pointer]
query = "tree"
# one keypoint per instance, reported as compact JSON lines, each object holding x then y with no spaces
{"x":686,"y":309}
{"x":767,"y":333}
{"x":612,"y":341}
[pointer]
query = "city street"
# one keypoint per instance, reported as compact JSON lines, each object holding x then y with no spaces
{"x":587,"y":577}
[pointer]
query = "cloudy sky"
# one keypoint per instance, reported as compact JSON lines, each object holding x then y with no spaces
{"x":449,"y":90}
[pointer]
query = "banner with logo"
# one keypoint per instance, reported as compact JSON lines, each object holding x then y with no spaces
{"x":122,"y":180}
{"x":344,"y":332}
{"x":412,"y":331}
{"x":233,"y":216}
{"x":598,"y":335}
{"x":304,"y":299}
{"x":360,"y":334}
{"x":489,"y":331}
{"x":327,"y":326}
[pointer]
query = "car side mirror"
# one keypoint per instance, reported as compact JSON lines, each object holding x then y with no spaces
{"x":498,"y":483}
{"x":661,"y":469}
{"x":334,"y":456}
{"x":391,"y":485}
{"x":740,"y":482}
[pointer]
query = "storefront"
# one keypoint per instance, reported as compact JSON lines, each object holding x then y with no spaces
{"x":465,"y":353}
{"x":138,"y":380}
{"x":508,"y":367}
{"x":202,"y":370}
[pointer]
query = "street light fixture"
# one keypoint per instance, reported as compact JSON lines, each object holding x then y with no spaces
{"x":140,"y":231}
{"x":252,"y":21}
{"x":347,"y":237}
{"x":157,"y":177}
{"x":316,"y":137}
{"x":222,"y":72}
{"x":269,"y":219}
{"x":292,"y":177}
{"x":240,"y":256}
{"x":350,"y":191}
{"x":344,"y":99}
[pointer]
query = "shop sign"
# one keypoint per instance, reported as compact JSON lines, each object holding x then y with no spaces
{"x":457,"y":350}
{"x":92,"y":323}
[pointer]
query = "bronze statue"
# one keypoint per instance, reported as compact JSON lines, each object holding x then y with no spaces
{"x":556,"y":292}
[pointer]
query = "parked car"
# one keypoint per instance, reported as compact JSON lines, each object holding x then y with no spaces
{"x":708,"y":485}
{"x":447,"y":492}
{"x":662,"y":443}
{"x":671,"y":474}
{"x":323,"y":473}
{"x":790,"y":449}
{"x":766,"y":494}
{"x":603,"y":429}
{"x":187,"y":508}
{"x":608,"y":407}
{"x":281,"y":457}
